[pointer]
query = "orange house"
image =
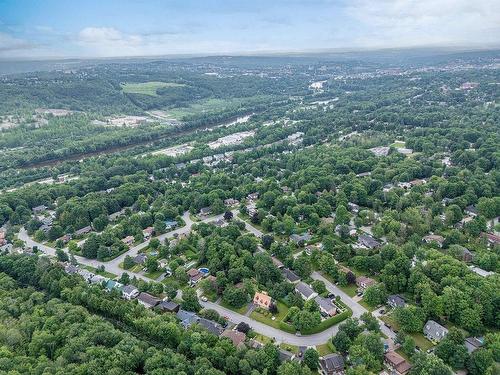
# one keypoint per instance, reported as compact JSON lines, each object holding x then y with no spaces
{"x":262,"y":300}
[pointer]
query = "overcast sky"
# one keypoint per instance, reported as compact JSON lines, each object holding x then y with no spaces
{"x":107,"y":28}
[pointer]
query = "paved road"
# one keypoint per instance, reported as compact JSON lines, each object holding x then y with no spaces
{"x":357,"y":309}
{"x":113,"y":265}
{"x":279,"y":336}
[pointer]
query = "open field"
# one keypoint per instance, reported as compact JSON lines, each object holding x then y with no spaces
{"x":147,"y":88}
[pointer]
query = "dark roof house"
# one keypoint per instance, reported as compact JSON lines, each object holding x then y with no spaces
{"x":395,"y":300}
{"x":434,"y":331}
{"x":332,"y":364}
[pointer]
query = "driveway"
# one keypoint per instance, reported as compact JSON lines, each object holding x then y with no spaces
{"x":278,"y":335}
{"x":357,"y":309}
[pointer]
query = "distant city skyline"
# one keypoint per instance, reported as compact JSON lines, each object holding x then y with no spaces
{"x":119,"y":28}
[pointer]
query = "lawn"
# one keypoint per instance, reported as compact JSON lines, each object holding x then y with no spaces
{"x":419,"y":338}
{"x":324,"y":349}
{"x":241,"y":310}
{"x":367,"y":306}
{"x":137,"y":268}
{"x":263,"y":339}
{"x":266,"y":318}
{"x":399,"y":144}
{"x":153,"y":275}
{"x":350,"y":290}
{"x":147,"y":88}
{"x":109,"y":275}
{"x":291,"y":348}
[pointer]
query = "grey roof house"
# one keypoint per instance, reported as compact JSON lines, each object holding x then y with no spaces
{"x":305,"y":291}
{"x":434,"y":331}
{"x":395,"y":300}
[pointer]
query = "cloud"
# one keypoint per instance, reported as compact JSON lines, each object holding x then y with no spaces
{"x":9,"y":43}
{"x":420,"y":22}
{"x":107,"y":35}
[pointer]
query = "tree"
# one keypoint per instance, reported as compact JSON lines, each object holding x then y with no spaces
{"x":371,"y":323}
{"x":100,"y":222}
{"x":154,"y":243}
{"x":319,"y":286}
{"x":342,"y":341}
{"x":267,"y":241}
{"x":410,"y":318}
{"x":305,"y":320}
{"x":311,"y":359}
{"x":342,"y":216}
{"x":293,"y":368}
{"x":479,"y":362}
{"x":408,"y":346}
{"x":61,"y":255}
{"x":190,"y":300}
{"x":228,"y":216}
{"x":151,"y":264}
{"x":125,"y":278}
{"x":375,"y":295}
{"x":452,"y":349}
{"x":235,"y":297}
{"x":90,"y":247}
{"x":429,"y":364}
{"x":128,"y":262}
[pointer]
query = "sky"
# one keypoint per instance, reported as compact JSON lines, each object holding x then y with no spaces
{"x":36,"y":29}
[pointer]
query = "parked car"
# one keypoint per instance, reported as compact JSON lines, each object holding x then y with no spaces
{"x":204,"y":299}
{"x":382,"y":311}
{"x":331,"y":295}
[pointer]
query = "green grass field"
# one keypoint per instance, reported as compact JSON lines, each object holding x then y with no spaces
{"x":109,"y":275}
{"x":242,"y":310}
{"x":398,"y":144}
{"x":324,"y":349}
{"x":147,"y":88}
{"x":266,"y":319}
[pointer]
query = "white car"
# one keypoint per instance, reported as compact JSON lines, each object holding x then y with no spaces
{"x":204,"y":299}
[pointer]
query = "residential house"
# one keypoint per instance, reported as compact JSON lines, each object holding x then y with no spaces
{"x":395,"y":300}
{"x":205,"y":211}
{"x":97,"y":279}
{"x":230,"y":202}
{"x":434,"y":331}
{"x":251,"y":209}
{"x":147,"y":300}
{"x":129,"y":240}
{"x":434,"y":238}
{"x":290,"y":275}
{"x":130,"y":292}
{"x":187,"y":318}
{"x":473,"y":343}
{"x":262,"y":300}
{"x":66,"y":238}
{"x":492,"y":239}
{"x":364,"y":282}
{"x":305,"y":291}
{"x":481,"y":272}
{"x":326,"y":306}
{"x":2,"y":238}
{"x":87,"y":275}
{"x":71,"y":269}
{"x":397,"y":364}
{"x":253,"y":196}
{"x":194,"y":276}
{"x":277,"y":262}
{"x":8,"y":247}
{"x":171,"y":224}
{"x":84,"y":230}
{"x":168,"y":306}
{"x":464,"y":254}
{"x":112,"y":284}
{"x":221,"y":223}
{"x":148,"y":232}
{"x":367,"y":242}
{"x":300,"y":238}
{"x":211,"y":326}
{"x":140,"y":258}
{"x":236,"y":337}
{"x":353,"y":207}
{"x":418,"y":182}
{"x":332,"y":364}
{"x":471,"y":210}
{"x":39,"y":209}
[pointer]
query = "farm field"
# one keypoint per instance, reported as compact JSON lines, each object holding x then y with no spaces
{"x":147,"y":88}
